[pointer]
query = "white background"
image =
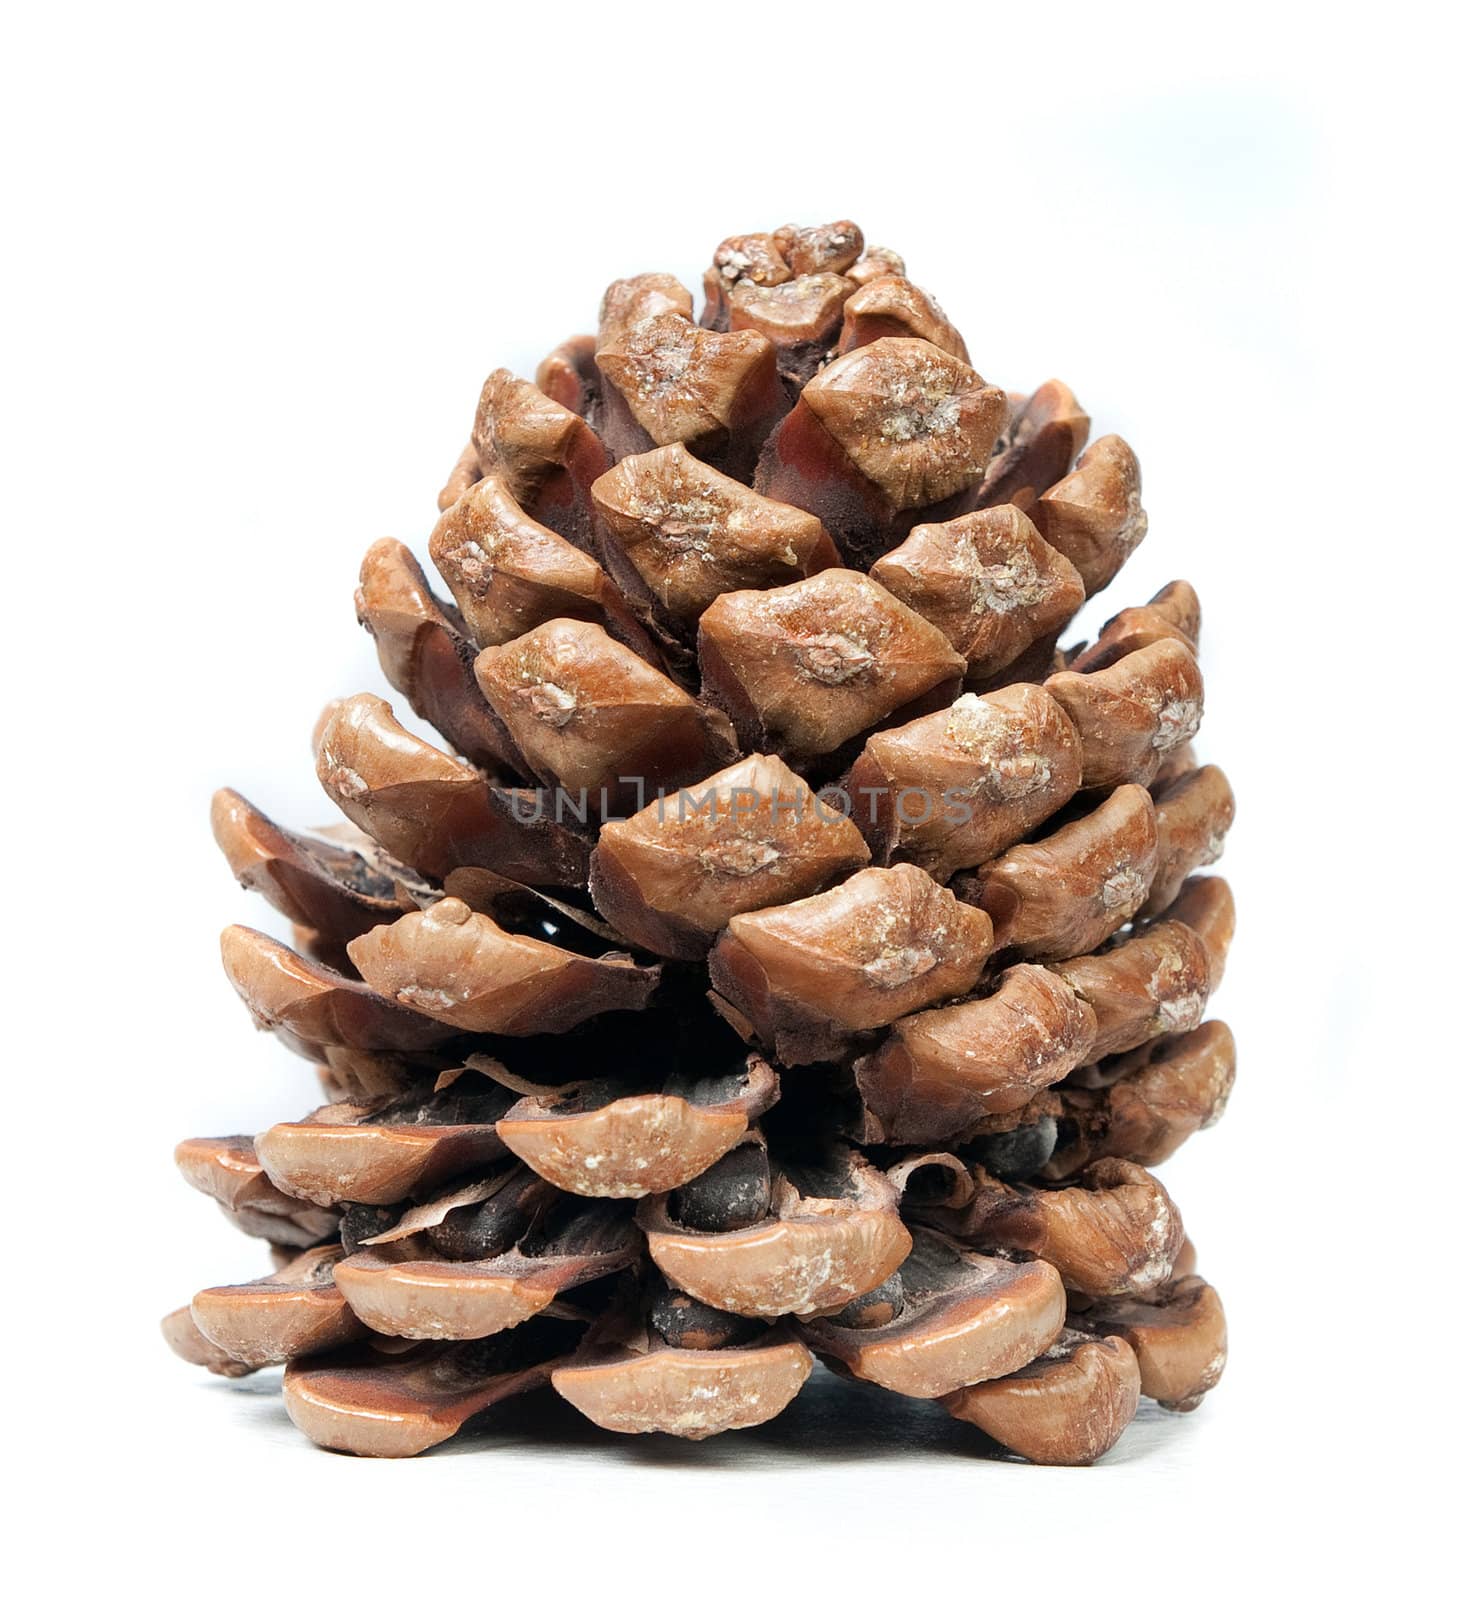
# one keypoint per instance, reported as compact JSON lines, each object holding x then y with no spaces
{"x":260,"y":260}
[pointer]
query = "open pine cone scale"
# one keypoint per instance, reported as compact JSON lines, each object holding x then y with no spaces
{"x":792,"y":951}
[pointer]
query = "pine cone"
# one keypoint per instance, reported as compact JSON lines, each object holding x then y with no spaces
{"x":795,"y":951}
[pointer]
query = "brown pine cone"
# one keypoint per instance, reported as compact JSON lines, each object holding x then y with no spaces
{"x":793,"y":951}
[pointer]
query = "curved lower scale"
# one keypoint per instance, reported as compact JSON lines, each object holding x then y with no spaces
{"x":947,"y":1318}
{"x":399,"y":1402}
{"x":1067,"y":1408}
{"x":815,"y":1255}
{"x":690,"y":1393}
{"x":407,"y":1291}
{"x":183,"y":1336}
{"x":637,"y":1144}
{"x":294,"y":1312}
{"x":1180,"y":1339}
